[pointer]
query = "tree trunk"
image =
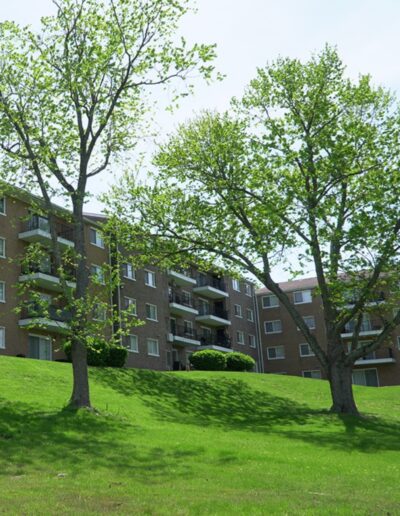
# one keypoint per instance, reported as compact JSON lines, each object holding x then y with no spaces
{"x":340,"y":381}
{"x":80,"y":397}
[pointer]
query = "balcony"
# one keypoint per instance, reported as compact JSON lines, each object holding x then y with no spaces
{"x":184,"y":336}
{"x":217,"y":342}
{"x":366,"y":330}
{"x":52,"y":318}
{"x":46,"y":277}
{"x":181,"y":278}
{"x":37,"y":230}
{"x":213,"y":316}
{"x":181,"y":303}
{"x":372,"y":359}
{"x":211,"y":287}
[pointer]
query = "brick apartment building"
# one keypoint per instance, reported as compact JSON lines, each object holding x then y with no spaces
{"x":183,"y":311}
{"x":286,"y":352}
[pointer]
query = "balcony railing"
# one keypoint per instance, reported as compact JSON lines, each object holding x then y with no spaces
{"x":185,"y":332}
{"x":48,"y":268}
{"x":210,"y":281}
{"x":42,"y":223}
{"x":214,"y":340}
{"x":53,"y":312}
{"x":209,"y":310}
{"x":181,"y":299}
{"x":365,"y":326}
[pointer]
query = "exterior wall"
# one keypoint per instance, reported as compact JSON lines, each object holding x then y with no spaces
{"x":290,"y":338}
{"x":172,"y":354}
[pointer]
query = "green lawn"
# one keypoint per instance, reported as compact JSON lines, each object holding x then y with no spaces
{"x":192,"y":443}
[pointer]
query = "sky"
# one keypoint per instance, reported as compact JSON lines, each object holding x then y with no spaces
{"x":251,"y":33}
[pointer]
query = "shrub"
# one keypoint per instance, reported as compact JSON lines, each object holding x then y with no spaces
{"x":117,"y":356}
{"x":208,"y":360}
{"x":97,"y":353}
{"x":239,"y":362}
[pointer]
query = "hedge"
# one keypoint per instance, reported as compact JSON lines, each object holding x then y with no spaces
{"x":208,"y":360}
{"x":239,"y":362}
{"x":100,"y":354}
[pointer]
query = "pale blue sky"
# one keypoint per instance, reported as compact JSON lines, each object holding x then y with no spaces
{"x":250,"y":33}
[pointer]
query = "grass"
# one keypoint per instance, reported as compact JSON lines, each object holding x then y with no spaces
{"x":192,"y":443}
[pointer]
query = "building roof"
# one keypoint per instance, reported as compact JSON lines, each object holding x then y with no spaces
{"x":290,"y":286}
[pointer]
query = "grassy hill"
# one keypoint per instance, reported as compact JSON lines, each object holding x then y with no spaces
{"x":192,"y":443}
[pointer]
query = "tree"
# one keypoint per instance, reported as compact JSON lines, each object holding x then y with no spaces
{"x":72,"y":97}
{"x":305,"y":164}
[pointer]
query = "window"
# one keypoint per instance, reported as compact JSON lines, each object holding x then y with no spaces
{"x":252,"y":341}
{"x":250,"y":314}
{"x":240,"y":337}
{"x":270,"y":301}
{"x":2,"y":291}
{"x":2,"y":205}
{"x":152,"y":347}
{"x":2,"y":338}
{"x":276,"y":353}
{"x":204,"y":307}
{"x":97,"y":273}
{"x":302,"y":296}
{"x":188,"y":328}
{"x":128,"y":271}
{"x":2,"y":247}
{"x":99,"y":312}
{"x":96,"y":238}
{"x":39,"y":347}
{"x":247,"y":289}
{"x":129,"y":305}
{"x":238,"y":310}
{"x":305,"y":350}
{"x":366,"y":377}
{"x":236,"y":285}
{"x":273,"y":326}
{"x":132,"y":341}
{"x":310,"y":321}
{"x":151,"y":312}
{"x":315,"y":373}
{"x":150,"y":278}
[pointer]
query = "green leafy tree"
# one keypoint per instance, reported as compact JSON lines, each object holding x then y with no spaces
{"x":306,"y":164}
{"x":72,"y":97}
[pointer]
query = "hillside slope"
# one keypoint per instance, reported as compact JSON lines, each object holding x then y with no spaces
{"x":192,"y":443}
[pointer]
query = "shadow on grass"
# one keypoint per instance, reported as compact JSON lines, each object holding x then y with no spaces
{"x":75,"y":441}
{"x":232,"y":404}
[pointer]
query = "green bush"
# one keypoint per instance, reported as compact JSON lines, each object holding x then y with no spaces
{"x":239,"y":362}
{"x":117,"y":356}
{"x":97,"y":353}
{"x":208,"y":360}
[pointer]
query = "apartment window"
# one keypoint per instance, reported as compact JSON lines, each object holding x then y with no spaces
{"x":310,"y":321}
{"x":273,"y":326}
{"x":188,"y":328}
{"x":39,"y":347}
{"x":2,"y":247}
{"x":2,"y":338}
{"x":204,"y":307}
{"x":2,"y":291}
{"x":306,"y":351}
{"x":99,"y":312}
{"x":302,"y":296}
{"x":252,"y":341}
{"x":270,"y":301}
{"x":152,"y":348}
{"x":276,"y":353}
{"x":151,"y":312}
{"x":150,"y":278}
{"x":238,"y":310}
{"x":240,"y":337}
{"x":236,"y":285}
{"x":366,"y":377}
{"x":250,"y":314}
{"x":315,"y":373}
{"x":133,"y":345}
{"x":95,"y":238}
{"x":2,"y":205}
{"x":97,"y":272}
{"x":128,"y":271}
{"x":130,"y":305}
{"x":247,"y":289}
